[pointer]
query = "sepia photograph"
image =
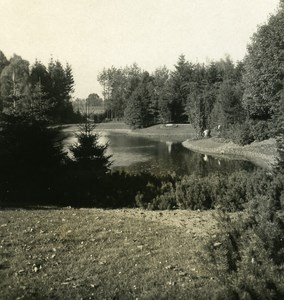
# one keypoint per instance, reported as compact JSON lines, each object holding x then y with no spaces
{"x":142,"y":149}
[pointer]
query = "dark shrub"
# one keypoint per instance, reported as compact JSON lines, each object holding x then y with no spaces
{"x":246,"y":256}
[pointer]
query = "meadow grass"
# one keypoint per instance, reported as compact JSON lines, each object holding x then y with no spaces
{"x":103,"y":254}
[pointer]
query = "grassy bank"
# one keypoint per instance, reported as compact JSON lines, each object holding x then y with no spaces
{"x":103,"y":254}
{"x":175,"y":133}
{"x":262,"y":153}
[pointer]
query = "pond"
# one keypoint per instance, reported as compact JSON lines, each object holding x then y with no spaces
{"x":137,"y":154}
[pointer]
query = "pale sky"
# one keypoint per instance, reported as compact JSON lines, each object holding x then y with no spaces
{"x":93,"y":34}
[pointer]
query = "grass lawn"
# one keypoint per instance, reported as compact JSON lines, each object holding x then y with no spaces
{"x":103,"y":254}
{"x":175,"y":133}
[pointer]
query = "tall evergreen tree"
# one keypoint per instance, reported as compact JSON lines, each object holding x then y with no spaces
{"x":179,"y":89}
{"x":228,"y":108}
{"x":138,"y":112}
{"x":40,"y":74}
{"x":89,"y":153}
{"x":62,"y":86}
{"x":40,"y":89}
{"x":160,"y":82}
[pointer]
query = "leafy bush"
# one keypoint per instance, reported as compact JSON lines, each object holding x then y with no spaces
{"x":229,"y":192}
{"x":247,"y":132}
{"x":260,"y":130}
{"x":239,"y":133}
{"x":194,"y":193}
{"x":246,"y":256}
{"x":166,"y":199}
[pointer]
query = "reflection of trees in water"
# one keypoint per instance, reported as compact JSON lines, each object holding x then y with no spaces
{"x":203,"y":164}
{"x":166,"y":157}
{"x":183,"y":161}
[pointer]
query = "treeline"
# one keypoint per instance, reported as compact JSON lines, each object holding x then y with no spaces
{"x":143,"y":99}
{"x":90,"y":107}
{"x":245,"y":98}
{"x":45,"y":90}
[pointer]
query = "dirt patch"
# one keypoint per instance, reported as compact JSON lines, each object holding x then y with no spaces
{"x":262,"y":153}
{"x":199,"y":223}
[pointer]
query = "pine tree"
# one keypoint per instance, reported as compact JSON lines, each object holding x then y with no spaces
{"x":133,"y":115}
{"x":88,"y":152}
{"x":62,"y":86}
{"x":139,"y":111}
{"x":179,"y":89}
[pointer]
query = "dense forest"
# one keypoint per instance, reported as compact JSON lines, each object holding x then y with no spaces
{"x":245,"y":98}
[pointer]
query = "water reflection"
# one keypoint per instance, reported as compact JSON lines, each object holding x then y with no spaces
{"x":139,"y":154}
{"x":169,"y":144}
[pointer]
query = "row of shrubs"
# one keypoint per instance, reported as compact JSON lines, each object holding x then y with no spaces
{"x":70,"y":186}
{"x":229,"y":192}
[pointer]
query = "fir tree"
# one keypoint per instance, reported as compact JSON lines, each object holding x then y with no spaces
{"x":88,"y":153}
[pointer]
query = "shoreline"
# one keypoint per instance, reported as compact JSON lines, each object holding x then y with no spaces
{"x":176,"y":133}
{"x":264,"y":154}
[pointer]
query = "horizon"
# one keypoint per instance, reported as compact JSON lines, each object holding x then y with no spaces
{"x":92,"y":35}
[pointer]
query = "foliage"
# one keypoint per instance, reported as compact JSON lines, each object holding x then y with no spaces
{"x":159,"y":97}
{"x":88,"y":153}
{"x":3,"y":63}
{"x":246,"y":256}
{"x":118,"y":85}
{"x":30,"y":152}
{"x":139,"y":112}
{"x":229,"y":192}
{"x":45,"y":89}
{"x":200,"y":105}
{"x":239,"y":133}
{"x":205,"y":95}
{"x":62,"y":83}
{"x":280,"y":148}
{"x":245,"y":98}
{"x":263,"y":77}
{"x":14,"y":82}
{"x":178,"y":89}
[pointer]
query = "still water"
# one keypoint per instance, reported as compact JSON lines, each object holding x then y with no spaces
{"x":138,"y":154}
